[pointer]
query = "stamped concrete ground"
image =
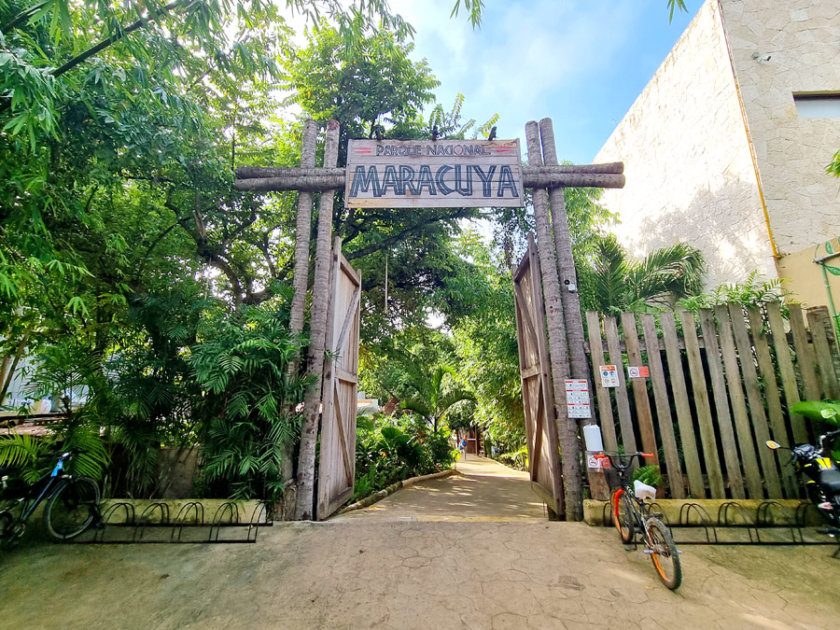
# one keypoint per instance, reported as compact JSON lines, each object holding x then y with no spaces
{"x":414,"y":563}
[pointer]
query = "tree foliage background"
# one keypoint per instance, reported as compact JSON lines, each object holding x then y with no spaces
{"x":133,"y":272}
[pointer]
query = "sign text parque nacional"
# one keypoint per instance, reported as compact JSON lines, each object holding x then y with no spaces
{"x":433,"y":174}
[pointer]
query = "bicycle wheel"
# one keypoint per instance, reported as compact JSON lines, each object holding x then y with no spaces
{"x":664,"y":553}
{"x":71,"y":508}
{"x":623,"y":515}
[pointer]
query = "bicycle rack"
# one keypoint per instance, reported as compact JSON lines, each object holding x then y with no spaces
{"x":120,"y":524}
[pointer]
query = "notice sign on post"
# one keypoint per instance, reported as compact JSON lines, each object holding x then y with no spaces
{"x":577,"y":398}
{"x":433,"y":174}
{"x":609,"y":376}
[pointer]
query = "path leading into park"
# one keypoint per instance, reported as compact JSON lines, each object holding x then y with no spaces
{"x":435,"y":556}
{"x":483,"y":490}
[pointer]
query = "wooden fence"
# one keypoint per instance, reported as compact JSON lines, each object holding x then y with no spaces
{"x":719,"y":386}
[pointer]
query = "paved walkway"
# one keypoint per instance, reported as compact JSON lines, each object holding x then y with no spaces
{"x":463,"y":569}
{"x":484,"y":490}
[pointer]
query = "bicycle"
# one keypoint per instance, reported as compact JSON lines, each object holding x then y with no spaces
{"x":632,"y":516}
{"x":72,"y":504}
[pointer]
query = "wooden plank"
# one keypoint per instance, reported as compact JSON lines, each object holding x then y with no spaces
{"x":724,"y":418}
{"x":625,"y":419}
{"x":784,"y":358}
{"x":767,"y":458}
{"x":644,"y":416}
{"x":703,"y":406}
{"x":819,"y":323}
{"x":684,"y":419}
{"x":767,"y":373}
{"x":743,"y":431}
{"x":605,"y":414}
{"x":663,"y":408}
{"x":805,"y":359}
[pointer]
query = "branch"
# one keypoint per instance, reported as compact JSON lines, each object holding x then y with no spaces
{"x":90,"y":52}
{"x":395,"y":238}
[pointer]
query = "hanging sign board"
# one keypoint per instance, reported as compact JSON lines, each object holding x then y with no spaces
{"x":433,"y":174}
{"x":609,"y":376}
{"x":577,"y":398}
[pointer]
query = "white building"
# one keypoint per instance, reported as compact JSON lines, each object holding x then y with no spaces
{"x":726,"y":147}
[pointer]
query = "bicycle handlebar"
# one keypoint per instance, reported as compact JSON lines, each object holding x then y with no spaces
{"x":629,"y":457}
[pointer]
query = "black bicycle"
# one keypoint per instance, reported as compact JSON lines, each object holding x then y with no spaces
{"x":633,"y":520}
{"x":72,"y":504}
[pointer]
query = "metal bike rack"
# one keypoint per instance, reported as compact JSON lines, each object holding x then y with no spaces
{"x":762,"y":527}
{"x":120,"y":524}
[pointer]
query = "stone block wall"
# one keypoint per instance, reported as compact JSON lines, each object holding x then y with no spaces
{"x":689,"y":171}
{"x":802,"y":40}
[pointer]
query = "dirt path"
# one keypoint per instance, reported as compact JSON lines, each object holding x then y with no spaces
{"x":384,"y":569}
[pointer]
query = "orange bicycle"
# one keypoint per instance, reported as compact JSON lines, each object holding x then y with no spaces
{"x":635,"y":523}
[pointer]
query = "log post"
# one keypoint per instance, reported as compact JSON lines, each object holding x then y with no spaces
{"x":303,"y":229}
{"x":569,"y":286}
{"x":318,"y":332}
{"x":558,"y":351}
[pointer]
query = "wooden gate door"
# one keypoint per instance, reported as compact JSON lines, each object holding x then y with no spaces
{"x":535,"y":371}
{"x":337,"y":468}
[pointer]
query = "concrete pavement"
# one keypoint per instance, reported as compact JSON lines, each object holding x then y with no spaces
{"x":402,"y":566}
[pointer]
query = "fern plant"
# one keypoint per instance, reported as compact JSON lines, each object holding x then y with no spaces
{"x":246,"y":427}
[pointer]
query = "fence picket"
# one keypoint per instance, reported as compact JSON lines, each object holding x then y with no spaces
{"x":818,"y":321}
{"x":805,"y":359}
{"x":784,"y":358}
{"x":738,"y":405}
{"x":644,"y":416}
{"x":605,"y":414}
{"x":703,"y":406}
{"x":663,"y":407}
{"x":771,"y":392}
{"x":625,"y":419}
{"x":766,"y":457}
{"x":724,"y":418}
{"x":696,"y":486}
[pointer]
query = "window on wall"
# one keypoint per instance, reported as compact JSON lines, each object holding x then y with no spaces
{"x":825,"y":105}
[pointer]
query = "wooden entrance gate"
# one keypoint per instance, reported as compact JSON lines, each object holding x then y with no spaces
{"x":535,"y":371}
{"x":337,"y":468}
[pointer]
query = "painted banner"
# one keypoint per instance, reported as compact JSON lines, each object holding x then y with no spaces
{"x":433,"y":174}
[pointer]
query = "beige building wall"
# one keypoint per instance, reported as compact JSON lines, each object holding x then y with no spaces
{"x":802,"y":40}
{"x":689,"y":171}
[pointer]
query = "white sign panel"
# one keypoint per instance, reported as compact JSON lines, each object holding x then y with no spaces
{"x":609,"y":375}
{"x":433,"y":174}
{"x":577,"y":398}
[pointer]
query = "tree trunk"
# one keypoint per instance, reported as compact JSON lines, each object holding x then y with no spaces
{"x":558,"y":352}
{"x":10,"y":374}
{"x":303,"y":230}
{"x":317,"y":342}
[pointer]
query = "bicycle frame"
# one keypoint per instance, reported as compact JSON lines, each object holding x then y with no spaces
{"x":39,"y":491}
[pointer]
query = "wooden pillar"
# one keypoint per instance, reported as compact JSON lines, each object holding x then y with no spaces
{"x":304,"y":509}
{"x":578,"y":364}
{"x":558,"y":350}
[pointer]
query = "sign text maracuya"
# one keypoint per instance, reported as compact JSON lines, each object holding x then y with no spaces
{"x":433,"y":174}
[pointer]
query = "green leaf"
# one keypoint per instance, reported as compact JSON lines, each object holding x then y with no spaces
{"x":835,"y":271}
{"x":828,"y":247}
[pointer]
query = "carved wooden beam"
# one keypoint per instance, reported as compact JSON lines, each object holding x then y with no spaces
{"x":264,"y":179}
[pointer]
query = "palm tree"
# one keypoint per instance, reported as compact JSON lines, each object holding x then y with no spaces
{"x":432,"y":398}
{"x":617,"y":283}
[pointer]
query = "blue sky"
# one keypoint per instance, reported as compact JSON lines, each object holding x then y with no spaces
{"x":581,"y":62}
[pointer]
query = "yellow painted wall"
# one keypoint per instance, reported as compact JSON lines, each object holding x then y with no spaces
{"x":803,"y":277}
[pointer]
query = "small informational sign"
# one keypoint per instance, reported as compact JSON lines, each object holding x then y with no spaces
{"x":609,"y":376}
{"x":433,"y":174}
{"x":597,"y":463}
{"x":638,"y":371}
{"x":577,"y":398}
